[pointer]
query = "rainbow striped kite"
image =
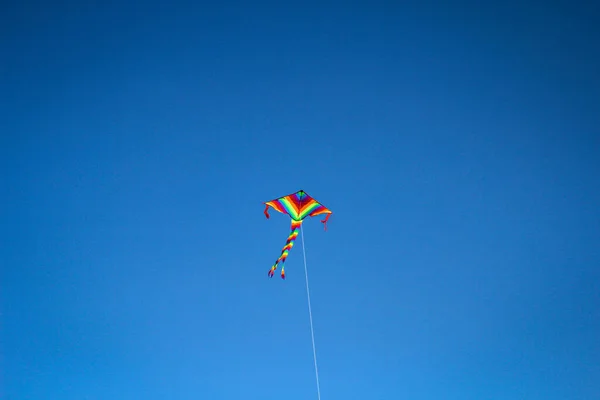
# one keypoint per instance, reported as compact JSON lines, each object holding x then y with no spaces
{"x":298,"y":206}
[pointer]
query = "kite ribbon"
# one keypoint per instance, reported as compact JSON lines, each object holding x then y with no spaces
{"x":286,"y":249}
{"x":325,"y":221}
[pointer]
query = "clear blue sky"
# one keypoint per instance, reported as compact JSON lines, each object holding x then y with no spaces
{"x":458,"y":148}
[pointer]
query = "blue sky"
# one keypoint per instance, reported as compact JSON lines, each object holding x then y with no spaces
{"x":457,"y":147}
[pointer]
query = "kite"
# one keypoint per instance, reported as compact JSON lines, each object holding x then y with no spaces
{"x":298,"y":206}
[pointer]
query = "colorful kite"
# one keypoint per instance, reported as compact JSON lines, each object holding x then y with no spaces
{"x":298,"y":206}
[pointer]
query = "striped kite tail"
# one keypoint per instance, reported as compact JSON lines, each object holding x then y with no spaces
{"x":286,"y":249}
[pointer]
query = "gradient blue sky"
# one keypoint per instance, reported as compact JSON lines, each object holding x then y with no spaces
{"x":458,"y":147}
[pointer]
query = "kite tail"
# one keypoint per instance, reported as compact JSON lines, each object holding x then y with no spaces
{"x":286,"y":249}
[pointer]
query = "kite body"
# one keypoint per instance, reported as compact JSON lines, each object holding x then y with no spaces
{"x":298,"y":206}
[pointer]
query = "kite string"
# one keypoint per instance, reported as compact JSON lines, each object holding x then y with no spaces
{"x":312,"y":332}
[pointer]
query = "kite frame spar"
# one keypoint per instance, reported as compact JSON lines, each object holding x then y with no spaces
{"x":306,"y":206}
